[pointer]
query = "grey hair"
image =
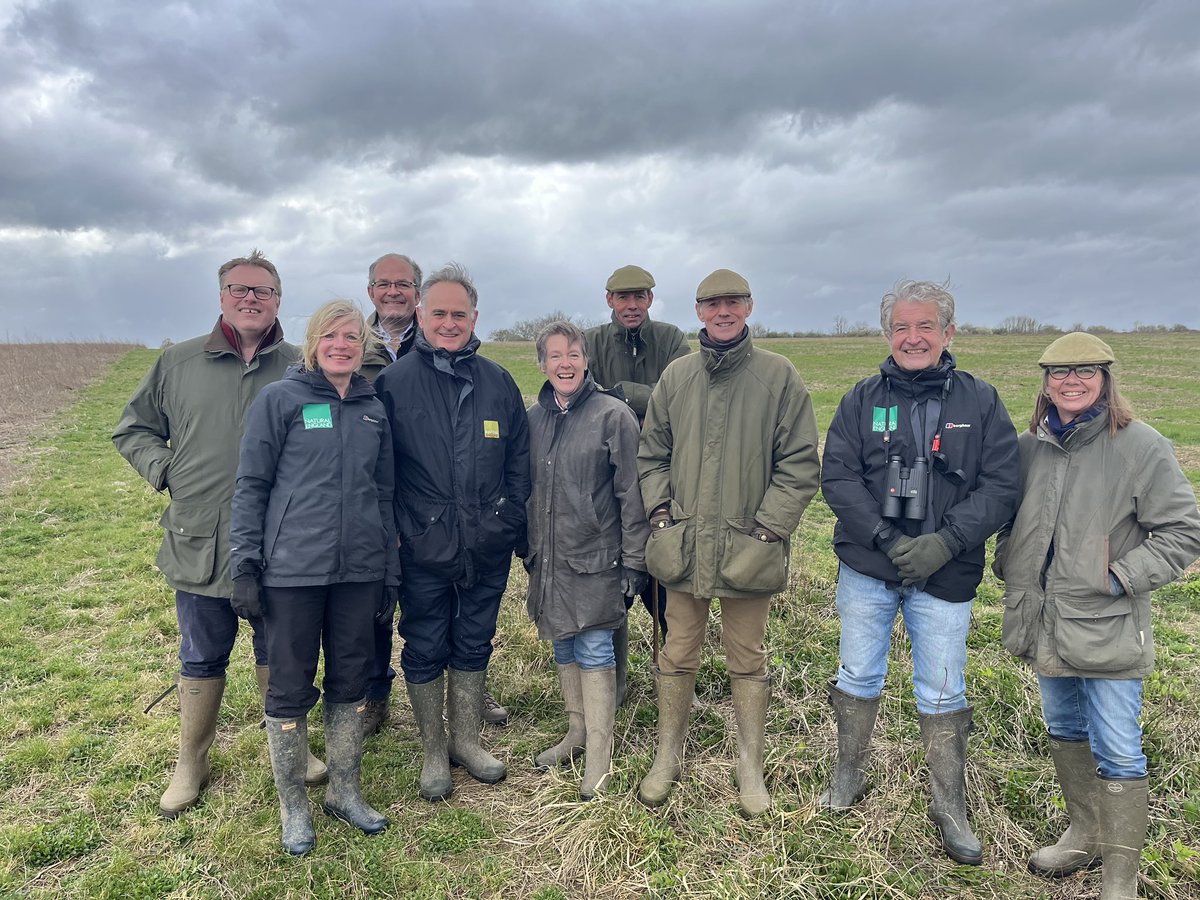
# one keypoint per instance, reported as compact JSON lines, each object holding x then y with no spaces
{"x":561,"y":328}
{"x":400,"y":256}
{"x":907,"y":291}
{"x":255,"y":258}
{"x":454,"y":273}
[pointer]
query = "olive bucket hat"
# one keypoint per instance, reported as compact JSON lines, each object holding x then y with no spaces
{"x":1078,"y":349}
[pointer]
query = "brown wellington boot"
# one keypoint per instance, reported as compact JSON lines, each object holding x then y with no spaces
{"x":199,"y":700}
{"x":599,"y":708}
{"x":675,"y":694}
{"x":314,"y":771}
{"x":572,"y":744}
{"x":750,"y":698}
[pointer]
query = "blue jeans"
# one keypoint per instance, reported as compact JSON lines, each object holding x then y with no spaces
{"x":208,"y":626}
{"x":1102,"y":711}
{"x":936,"y":628}
{"x":591,"y":649}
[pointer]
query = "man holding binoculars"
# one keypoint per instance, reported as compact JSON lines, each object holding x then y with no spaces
{"x":920,"y":469}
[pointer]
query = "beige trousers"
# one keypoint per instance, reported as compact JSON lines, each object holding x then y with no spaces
{"x":743,"y":627}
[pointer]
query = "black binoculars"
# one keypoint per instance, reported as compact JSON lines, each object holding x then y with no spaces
{"x":906,"y":489}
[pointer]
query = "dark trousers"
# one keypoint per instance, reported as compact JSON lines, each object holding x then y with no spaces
{"x":208,"y":627}
{"x":379,"y":682}
{"x":648,"y":600}
{"x":448,"y":625}
{"x":300,"y":620}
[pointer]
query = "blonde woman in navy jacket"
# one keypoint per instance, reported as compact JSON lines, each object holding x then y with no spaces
{"x":314,"y":553}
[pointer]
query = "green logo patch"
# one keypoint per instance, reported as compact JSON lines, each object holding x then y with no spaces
{"x":885,"y":419}
{"x":317,"y":415}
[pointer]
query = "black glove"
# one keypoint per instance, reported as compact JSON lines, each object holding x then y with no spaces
{"x":633,"y":582}
{"x":764,"y":534}
{"x":247,"y":600}
{"x":918,"y":558}
{"x":387,"y":604}
{"x":997,"y":569}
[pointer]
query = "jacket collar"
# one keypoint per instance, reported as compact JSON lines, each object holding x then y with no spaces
{"x":547,"y":401}
{"x":316,"y":380}
{"x":219,"y":341}
{"x":1079,"y":436}
{"x":717,"y":362}
{"x":922,"y":384}
{"x":444,"y":360}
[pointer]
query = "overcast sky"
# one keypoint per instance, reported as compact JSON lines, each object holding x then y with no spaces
{"x":1042,"y":155}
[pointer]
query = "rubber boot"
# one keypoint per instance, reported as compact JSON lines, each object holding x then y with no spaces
{"x":1079,"y":847}
{"x":855,"y":719}
{"x":375,"y":716}
{"x":343,"y":745}
{"x":315,"y":772}
{"x":945,"y":739}
{"x":675,"y":694}
{"x":287,"y":739}
{"x":465,"y":713}
{"x":599,"y":707}
{"x":427,"y":702}
{"x":572,"y":745}
{"x":199,"y":700}
{"x":750,"y":698}
{"x":621,"y":652}
{"x":1124,"y":816}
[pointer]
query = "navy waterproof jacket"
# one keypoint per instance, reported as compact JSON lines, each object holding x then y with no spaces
{"x":461,"y":448}
{"x":313,"y":502}
{"x":973,"y":488}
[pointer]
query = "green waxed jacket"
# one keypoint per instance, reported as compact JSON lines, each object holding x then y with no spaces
{"x":730,"y":440}
{"x":617,"y":357}
{"x":1118,"y":505}
{"x":181,"y":430}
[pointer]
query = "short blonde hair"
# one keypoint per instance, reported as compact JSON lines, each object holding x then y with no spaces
{"x":323,"y":321}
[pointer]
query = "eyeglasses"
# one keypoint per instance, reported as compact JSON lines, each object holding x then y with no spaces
{"x":238,"y":291}
{"x":388,"y":285}
{"x":1058,"y":373}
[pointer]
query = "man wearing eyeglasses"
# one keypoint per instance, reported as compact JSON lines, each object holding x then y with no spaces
{"x":631,"y":352}
{"x":394,"y":286}
{"x":180,"y":431}
{"x":920,"y":468}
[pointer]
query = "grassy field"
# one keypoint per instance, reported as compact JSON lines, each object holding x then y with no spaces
{"x":88,"y":638}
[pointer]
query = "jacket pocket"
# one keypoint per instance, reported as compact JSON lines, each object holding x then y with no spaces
{"x":1097,"y":633}
{"x":751,"y":565}
{"x":501,"y":527}
{"x":189,"y":548}
{"x":1019,"y":630}
{"x":426,"y":537}
{"x":606,"y":559}
{"x":275,"y":516}
{"x":671,"y":552}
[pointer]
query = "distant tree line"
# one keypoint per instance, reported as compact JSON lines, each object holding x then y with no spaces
{"x":527,"y":329}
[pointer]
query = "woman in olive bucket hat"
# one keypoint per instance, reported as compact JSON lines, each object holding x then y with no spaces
{"x":1106,"y":517}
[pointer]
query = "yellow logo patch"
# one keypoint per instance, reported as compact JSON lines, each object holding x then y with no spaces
{"x":491,"y":428}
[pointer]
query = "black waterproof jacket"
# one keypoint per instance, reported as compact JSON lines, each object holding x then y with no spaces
{"x":313,"y":501}
{"x":973,"y":489}
{"x":461,"y":451}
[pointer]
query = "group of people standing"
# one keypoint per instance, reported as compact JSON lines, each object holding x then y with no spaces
{"x":387,"y":464}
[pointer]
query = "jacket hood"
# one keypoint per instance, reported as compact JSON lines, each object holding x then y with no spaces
{"x":316,"y":380}
{"x":921,"y":384}
{"x":421,"y":345}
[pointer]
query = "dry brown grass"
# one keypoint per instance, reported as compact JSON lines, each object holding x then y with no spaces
{"x":40,"y":380}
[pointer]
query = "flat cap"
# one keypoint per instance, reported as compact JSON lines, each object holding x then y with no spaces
{"x":629,"y":278}
{"x":1077,"y":349}
{"x":723,"y":283}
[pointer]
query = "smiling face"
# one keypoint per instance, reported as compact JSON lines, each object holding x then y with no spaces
{"x":340,"y":351}
{"x":446,"y":316}
{"x":724,"y":317}
{"x":917,"y":339}
{"x":565,"y":365}
{"x":250,"y":317}
{"x":394,"y":304}
{"x":1074,"y":395}
{"x":630,"y":306}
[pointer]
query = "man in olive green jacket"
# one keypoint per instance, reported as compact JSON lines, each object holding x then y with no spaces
{"x":181,"y":430}
{"x":631,"y":353}
{"x":394,"y":287}
{"x":727,"y":464}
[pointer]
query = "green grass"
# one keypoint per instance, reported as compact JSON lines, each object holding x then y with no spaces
{"x":88,"y":638}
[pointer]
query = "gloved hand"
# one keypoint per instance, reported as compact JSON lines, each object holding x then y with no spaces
{"x":764,"y":534}
{"x":387,"y":603}
{"x":661,"y":518}
{"x":633,"y":582}
{"x":997,"y":569}
{"x":918,"y":558}
{"x":247,"y":600}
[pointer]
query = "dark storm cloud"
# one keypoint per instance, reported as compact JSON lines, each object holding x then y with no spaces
{"x":825,"y":147}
